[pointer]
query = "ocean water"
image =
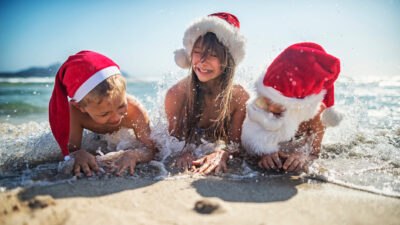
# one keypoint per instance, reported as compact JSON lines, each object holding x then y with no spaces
{"x":363,"y":152}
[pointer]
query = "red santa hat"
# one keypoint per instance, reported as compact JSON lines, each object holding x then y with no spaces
{"x":224,"y":25}
{"x":75,"y":79}
{"x":303,"y":75}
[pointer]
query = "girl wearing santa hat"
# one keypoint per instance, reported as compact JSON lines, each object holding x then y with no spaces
{"x":206,"y":104}
{"x":286,"y":121}
{"x":98,"y":103}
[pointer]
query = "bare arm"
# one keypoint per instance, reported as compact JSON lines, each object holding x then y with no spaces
{"x":75,"y":130}
{"x":174,"y":106}
{"x":317,"y":131}
{"x":139,"y":121}
{"x":83,"y":160}
{"x":240,"y":97}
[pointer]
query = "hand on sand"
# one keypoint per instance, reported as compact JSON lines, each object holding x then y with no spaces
{"x":295,"y":161}
{"x":127,"y":159}
{"x":270,"y":161}
{"x":84,"y":161}
{"x":185,"y":161}
{"x":215,"y":161}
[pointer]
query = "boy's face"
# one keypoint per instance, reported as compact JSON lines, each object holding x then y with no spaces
{"x":108,"y":111}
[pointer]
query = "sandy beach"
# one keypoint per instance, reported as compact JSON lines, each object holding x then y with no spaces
{"x":283,"y":199}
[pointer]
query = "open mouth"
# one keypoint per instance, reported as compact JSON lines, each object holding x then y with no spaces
{"x":203,"y":71}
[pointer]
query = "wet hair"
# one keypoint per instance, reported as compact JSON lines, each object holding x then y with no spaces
{"x":195,"y":105}
{"x":111,"y":87}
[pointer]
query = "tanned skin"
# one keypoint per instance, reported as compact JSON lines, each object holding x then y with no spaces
{"x":107,"y":116}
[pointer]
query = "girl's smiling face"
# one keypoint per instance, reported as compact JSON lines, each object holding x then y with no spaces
{"x":206,"y":65}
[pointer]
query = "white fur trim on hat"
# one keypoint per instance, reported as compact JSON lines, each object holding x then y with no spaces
{"x":93,"y":81}
{"x":331,"y":117}
{"x":226,"y":33}
{"x":308,"y":106}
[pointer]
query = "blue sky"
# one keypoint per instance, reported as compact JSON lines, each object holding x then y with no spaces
{"x":142,"y":35}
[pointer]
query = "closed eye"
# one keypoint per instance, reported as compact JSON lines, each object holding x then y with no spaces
{"x":197,"y":51}
{"x":103,"y":115}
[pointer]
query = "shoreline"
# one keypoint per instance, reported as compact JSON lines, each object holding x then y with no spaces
{"x":285,"y":199}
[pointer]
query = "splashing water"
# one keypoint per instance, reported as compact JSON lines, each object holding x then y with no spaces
{"x":363,"y":152}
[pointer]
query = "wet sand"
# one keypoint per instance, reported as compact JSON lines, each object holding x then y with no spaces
{"x":205,"y":200}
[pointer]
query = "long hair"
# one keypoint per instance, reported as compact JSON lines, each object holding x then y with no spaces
{"x":196,"y":91}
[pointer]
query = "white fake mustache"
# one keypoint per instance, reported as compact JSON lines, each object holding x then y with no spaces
{"x":266,"y":119}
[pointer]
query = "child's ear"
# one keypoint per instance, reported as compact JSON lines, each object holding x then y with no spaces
{"x":76,"y":105}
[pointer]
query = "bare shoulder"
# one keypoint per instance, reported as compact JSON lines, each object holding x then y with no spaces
{"x":134,"y":105}
{"x":177,"y":93}
{"x":132,"y":101}
{"x":136,"y":112}
{"x":240,"y":95}
{"x":178,"y":90}
{"x":76,"y":116}
{"x":318,"y":116}
{"x":314,"y":122}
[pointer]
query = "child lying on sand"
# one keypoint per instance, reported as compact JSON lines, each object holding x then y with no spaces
{"x":206,"y":105}
{"x":285,"y":124}
{"x":98,"y":103}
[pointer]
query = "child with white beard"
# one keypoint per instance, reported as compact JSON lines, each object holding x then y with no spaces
{"x":285,"y":123}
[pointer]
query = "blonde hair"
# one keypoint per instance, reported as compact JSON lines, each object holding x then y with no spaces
{"x":195,"y":101}
{"x":111,"y":87}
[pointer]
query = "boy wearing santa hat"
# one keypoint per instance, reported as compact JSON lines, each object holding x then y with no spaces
{"x":285,"y":123}
{"x":98,"y":103}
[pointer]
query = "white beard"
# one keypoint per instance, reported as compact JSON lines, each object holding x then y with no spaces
{"x":262,"y":131}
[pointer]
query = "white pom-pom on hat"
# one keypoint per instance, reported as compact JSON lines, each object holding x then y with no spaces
{"x":182,"y":59}
{"x":331,"y":117}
